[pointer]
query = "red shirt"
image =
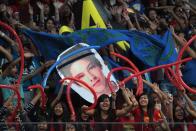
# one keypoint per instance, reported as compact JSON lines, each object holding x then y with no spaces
{"x":181,"y":127}
{"x":189,"y":125}
{"x":124,"y":126}
{"x":138,"y":118}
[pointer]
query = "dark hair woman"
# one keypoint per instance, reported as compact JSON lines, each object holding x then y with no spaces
{"x":106,"y":111}
{"x":59,"y":114}
{"x":184,"y":112}
{"x":146,"y":112}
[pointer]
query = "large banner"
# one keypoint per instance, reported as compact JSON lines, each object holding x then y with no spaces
{"x":152,"y":50}
{"x":89,"y":67}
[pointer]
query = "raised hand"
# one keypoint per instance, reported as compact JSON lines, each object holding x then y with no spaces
{"x":9,"y":101}
{"x":119,"y":10}
{"x":114,"y":96}
{"x":2,"y":34}
{"x":84,"y":107}
{"x":125,"y":15}
{"x":156,"y":87}
{"x":172,"y":29}
{"x":113,"y":10}
{"x":57,"y":4}
{"x":158,"y":106}
{"x":170,"y":9}
{"x":2,"y":7}
{"x":40,"y":5}
{"x":9,"y":11}
{"x":130,"y":93}
{"x":73,"y":117}
{"x":30,"y":10}
{"x":21,"y":26}
{"x":28,"y":55}
{"x":49,"y":63}
{"x":122,"y":86}
{"x":132,"y":97}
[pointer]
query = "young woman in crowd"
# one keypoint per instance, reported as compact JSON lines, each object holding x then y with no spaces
{"x":184,"y":113}
{"x":59,"y":114}
{"x":106,"y":111}
{"x":157,"y":107}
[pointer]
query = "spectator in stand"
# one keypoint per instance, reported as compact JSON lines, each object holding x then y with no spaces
{"x":184,"y":111}
{"x":157,"y":106}
{"x":66,"y":14}
{"x":129,"y":117}
{"x":106,"y":111}
{"x":50,"y":26}
{"x":46,"y":15}
{"x":59,"y":114}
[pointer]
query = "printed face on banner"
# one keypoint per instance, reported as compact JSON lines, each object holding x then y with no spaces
{"x":89,"y":67}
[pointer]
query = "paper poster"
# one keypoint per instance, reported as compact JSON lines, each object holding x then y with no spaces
{"x":89,"y":67}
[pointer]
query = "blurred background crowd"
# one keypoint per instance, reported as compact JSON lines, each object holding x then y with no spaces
{"x":160,"y":107}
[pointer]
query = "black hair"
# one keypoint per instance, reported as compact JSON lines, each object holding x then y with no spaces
{"x":178,"y":126}
{"x":176,"y":7}
{"x":65,"y":20}
{"x":49,"y":18}
{"x":98,"y":109}
{"x":64,"y":117}
{"x":5,"y":65}
{"x":175,"y":105}
{"x":42,"y":117}
{"x":150,"y":107}
{"x":79,"y":119}
{"x":97,"y":116}
{"x":150,"y":9}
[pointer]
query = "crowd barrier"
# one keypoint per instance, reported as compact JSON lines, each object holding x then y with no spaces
{"x":126,"y":126}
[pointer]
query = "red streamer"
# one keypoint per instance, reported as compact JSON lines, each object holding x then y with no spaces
{"x":140,"y":82}
{"x":171,"y":79}
{"x":114,"y":70}
{"x":12,"y":31}
{"x":155,"y":68}
{"x":177,"y":70}
{"x":18,"y":99}
{"x":69,"y":97}
{"x":12,"y":87}
{"x":69,"y":101}
{"x":43,"y":95}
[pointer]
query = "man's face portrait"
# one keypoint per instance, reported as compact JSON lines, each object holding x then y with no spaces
{"x":90,"y":68}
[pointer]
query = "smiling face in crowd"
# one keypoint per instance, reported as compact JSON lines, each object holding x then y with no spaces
{"x":105,"y":104}
{"x":42,"y":126}
{"x":58,"y":109}
{"x":179,"y":113}
{"x":143,"y":100}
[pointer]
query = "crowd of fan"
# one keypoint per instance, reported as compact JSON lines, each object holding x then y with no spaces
{"x":158,"y":108}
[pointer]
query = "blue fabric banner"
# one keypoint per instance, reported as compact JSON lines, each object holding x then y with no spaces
{"x":189,"y":73}
{"x":152,"y":50}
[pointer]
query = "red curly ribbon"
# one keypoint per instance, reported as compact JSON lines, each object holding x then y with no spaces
{"x":12,"y":31}
{"x":43,"y":95}
{"x":12,"y":87}
{"x":155,"y":68}
{"x":177,"y":69}
{"x":114,"y":70}
{"x":69,"y":97}
{"x":140,"y":82}
{"x":18,"y":97}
